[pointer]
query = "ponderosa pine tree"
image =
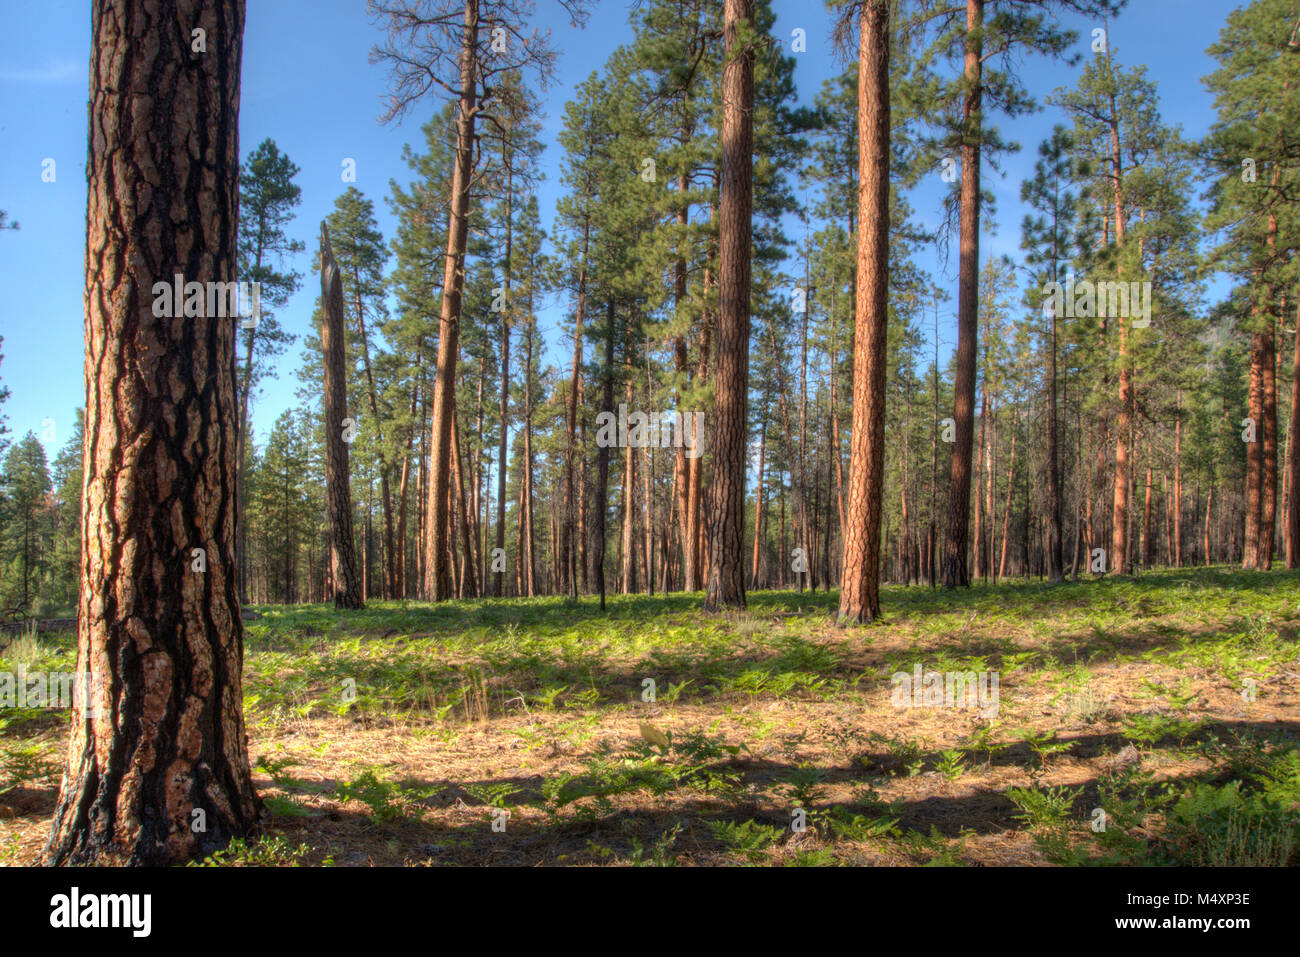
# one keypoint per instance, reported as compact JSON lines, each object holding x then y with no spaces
{"x":157,"y":768}
{"x":860,"y":588}
{"x":989,"y":34}
{"x":1254,"y":150}
{"x":459,"y":47}
{"x":1048,"y":240}
{"x":267,"y":198}
{"x":725,"y":586}
{"x":358,"y":248}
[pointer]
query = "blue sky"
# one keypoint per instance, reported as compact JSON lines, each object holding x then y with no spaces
{"x":307,"y":83}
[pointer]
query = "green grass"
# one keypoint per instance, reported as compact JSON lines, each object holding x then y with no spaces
{"x":1161,"y":706}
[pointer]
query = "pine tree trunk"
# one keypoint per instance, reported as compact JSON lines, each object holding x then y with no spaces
{"x":1268,"y":479}
{"x":860,"y":586}
{"x":338,"y":484}
{"x":602,"y":464}
{"x":1293,"y":462}
{"x":955,"y":571}
{"x":758,"y":499}
{"x":1254,"y":454}
{"x":726,"y":577}
{"x":1055,"y":533}
{"x":1006,"y":512}
{"x":982,"y":559}
{"x":1178,"y":485}
{"x":157,"y":764}
{"x":437,"y":577}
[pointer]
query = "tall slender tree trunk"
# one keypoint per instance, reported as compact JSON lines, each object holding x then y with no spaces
{"x":955,"y":571}
{"x":338,"y":491}
{"x":602,"y":463}
{"x":860,"y":587}
{"x":758,"y":498}
{"x":726,"y":577}
{"x":1178,"y":485}
{"x":1293,"y":461}
{"x":389,"y":571}
{"x":1268,"y":478}
{"x":1006,"y":512}
{"x":469,"y":579}
{"x":1055,"y":534}
{"x":1254,"y":454}
{"x":982,"y":557}
{"x":437,"y":578}
{"x":1147,"y":545}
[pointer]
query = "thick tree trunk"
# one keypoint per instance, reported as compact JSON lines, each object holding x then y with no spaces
{"x":726,"y":577}
{"x":955,"y":571}
{"x":157,"y":763}
{"x":860,"y":586}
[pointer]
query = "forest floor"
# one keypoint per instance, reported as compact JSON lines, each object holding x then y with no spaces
{"x":1145,"y":720}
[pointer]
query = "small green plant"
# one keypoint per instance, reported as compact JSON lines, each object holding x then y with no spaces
{"x":910,"y":754}
{"x":275,"y":770}
{"x":1147,"y":729}
{"x":804,"y":785}
{"x":19,"y":763}
{"x":747,"y":838}
{"x":1046,"y":812}
{"x":493,"y":795}
{"x":1043,"y":744}
{"x":938,"y":850}
{"x":659,"y":850}
{"x":268,"y":852}
{"x":951,"y":764}
{"x":386,"y":799}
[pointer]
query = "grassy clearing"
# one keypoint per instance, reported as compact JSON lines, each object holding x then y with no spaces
{"x":1142,"y":721}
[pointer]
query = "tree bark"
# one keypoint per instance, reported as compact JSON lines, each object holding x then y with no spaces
{"x":1268,"y":478}
{"x":157,"y":764}
{"x":860,"y":586}
{"x":1294,"y":459}
{"x":726,"y":577}
{"x":338,"y":484}
{"x":1254,"y":454}
{"x":955,"y":571}
{"x":437,"y":577}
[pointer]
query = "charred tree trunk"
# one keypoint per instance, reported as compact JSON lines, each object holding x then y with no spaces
{"x":338,"y":483}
